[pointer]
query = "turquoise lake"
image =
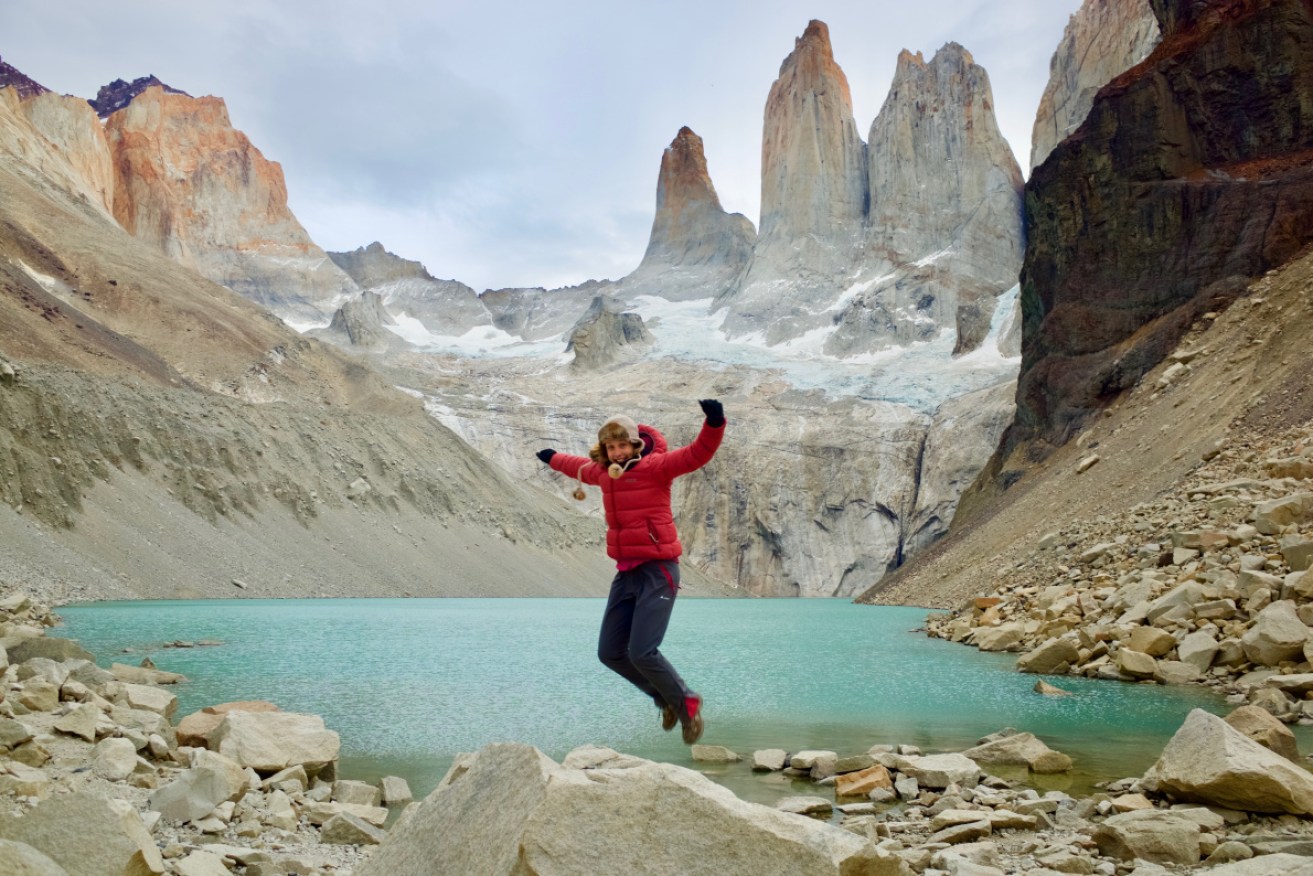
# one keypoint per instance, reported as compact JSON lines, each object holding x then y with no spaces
{"x":409,"y":683}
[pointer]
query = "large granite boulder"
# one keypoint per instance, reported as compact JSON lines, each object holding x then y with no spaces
{"x":1208,"y":761}
{"x":1258,"y":724}
{"x":109,"y":838}
{"x":940,"y":770}
{"x":48,"y":647}
{"x":508,"y":809}
{"x":196,"y":727}
{"x":1279,"y":864}
{"x":605,"y":334}
{"x":194,"y":794}
{"x":1050,"y":656}
{"x":1150,"y":835}
{"x":1276,"y":635}
{"x":271,"y":741}
{"x":20,"y":859}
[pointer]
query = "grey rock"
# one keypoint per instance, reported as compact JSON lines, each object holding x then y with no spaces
{"x":110,"y":837}
{"x":346,"y":829}
{"x":509,"y":809}
{"x":20,"y":859}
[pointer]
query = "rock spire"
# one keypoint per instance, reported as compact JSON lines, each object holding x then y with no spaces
{"x":813,"y":161}
{"x":887,"y":242}
{"x":696,"y":249}
{"x":945,"y":206}
{"x":813,"y":196}
{"x":691,"y":227}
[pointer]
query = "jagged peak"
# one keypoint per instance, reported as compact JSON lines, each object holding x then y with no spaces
{"x":684,"y":168}
{"x":952,"y":51}
{"x":907,"y":58}
{"x":949,"y":54}
{"x":119,"y":93}
{"x":373,"y":264}
{"x":26,"y":86}
{"x":815,"y":41}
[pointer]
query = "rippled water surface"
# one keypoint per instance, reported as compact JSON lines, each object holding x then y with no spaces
{"x":408,"y":683}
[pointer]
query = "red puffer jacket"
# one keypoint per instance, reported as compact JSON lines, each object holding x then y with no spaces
{"x":639,"y":523}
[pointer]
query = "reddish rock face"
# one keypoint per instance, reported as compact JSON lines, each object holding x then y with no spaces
{"x":195,"y":187}
{"x":1192,"y":175}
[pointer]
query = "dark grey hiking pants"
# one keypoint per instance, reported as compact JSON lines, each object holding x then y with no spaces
{"x":637,"y":613}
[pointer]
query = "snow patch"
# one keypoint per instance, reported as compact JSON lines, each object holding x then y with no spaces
{"x":933,"y":257}
{"x":484,"y":340}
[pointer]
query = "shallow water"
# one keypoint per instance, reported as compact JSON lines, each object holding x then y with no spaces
{"x":408,"y":683}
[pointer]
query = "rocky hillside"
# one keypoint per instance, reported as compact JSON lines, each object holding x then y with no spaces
{"x":1198,"y":164}
{"x":163,"y":436}
{"x":1204,"y":584}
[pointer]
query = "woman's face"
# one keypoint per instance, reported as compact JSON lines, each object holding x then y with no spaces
{"x":619,"y":451}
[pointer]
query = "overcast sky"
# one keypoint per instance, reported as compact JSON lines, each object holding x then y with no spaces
{"x":512,"y":143}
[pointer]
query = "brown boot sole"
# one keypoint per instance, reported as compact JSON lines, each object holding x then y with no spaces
{"x":693,"y":729}
{"x":669,"y":718}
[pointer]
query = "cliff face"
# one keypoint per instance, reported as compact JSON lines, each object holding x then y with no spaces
{"x":1103,"y":39}
{"x":60,"y":138}
{"x":191,"y":185}
{"x":1192,"y":174}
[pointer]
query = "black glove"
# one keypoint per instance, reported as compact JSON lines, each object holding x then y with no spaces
{"x":546,"y":455}
{"x":714,"y":410}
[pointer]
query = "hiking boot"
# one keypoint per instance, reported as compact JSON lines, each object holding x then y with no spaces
{"x":692,"y":718}
{"x":669,"y":718}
